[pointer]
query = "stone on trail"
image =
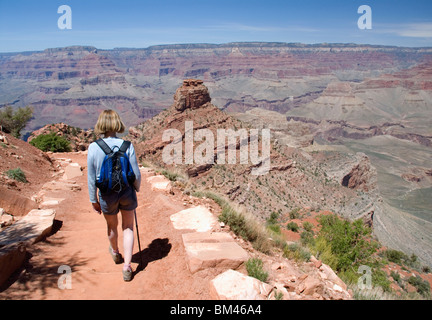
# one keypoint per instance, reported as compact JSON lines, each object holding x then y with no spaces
{"x":212,"y":250}
{"x":233,"y":285}
{"x":71,"y":171}
{"x":36,"y":225}
{"x":198,"y":218}
{"x":30,"y":229}
{"x":159,"y":183}
{"x":61,"y":186}
{"x":50,"y":203}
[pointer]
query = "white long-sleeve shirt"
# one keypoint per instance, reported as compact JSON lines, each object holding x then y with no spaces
{"x":95,"y":157}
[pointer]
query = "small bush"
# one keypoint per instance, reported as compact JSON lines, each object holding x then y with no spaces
{"x":17,"y":174}
{"x":278,"y":295}
{"x":396,"y":276}
{"x":426,"y":269}
{"x":254,"y":267}
{"x":321,"y":249}
{"x":307,"y":238}
{"x":292,"y":226}
{"x":51,"y":142}
{"x":421,"y":285}
{"x":273,"y":219}
{"x":350,"y":242}
{"x":294,"y":214}
{"x":395,"y":256}
{"x":172,"y":176}
{"x":272,"y":223}
{"x":297,"y":252}
{"x":402,"y":259}
{"x":379,"y":278}
{"x":14,"y":121}
{"x":274,"y":228}
{"x":308,"y":226}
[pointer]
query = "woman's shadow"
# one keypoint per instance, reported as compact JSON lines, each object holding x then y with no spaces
{"x":157,"y":249}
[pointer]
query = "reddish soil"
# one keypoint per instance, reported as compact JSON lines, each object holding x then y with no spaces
{"x":405,"y":274}
{"x":36,"y":166}
{"x":78,"y":240}
{"x":305,"y":215}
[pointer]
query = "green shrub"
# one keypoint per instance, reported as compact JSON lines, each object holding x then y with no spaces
{"x":294,"y":214}
{"x":274,"y":228}
{"x":273,"y":219}
{"x":272,"y":223}
{"x":51,"y":142}
{"x":395,"y":256}
{"x":240,"y":223}
{"x":278,"y":295}
{"x":402,"y":259}
{"x":396,"y":276}
{"x":345,"y":246}
{"x":172,"y":176}
{"x":307,"y":238}
{"x":350,"y":242}
{"x":292,"y":226}
{"x":254,"y":267}
{"x":14,"y":121}
{"x":379,"y":278}
{"x":17,"y":174}
{"x":297,"y":252}
{"x":421,"y":285}
{"x":350,"y":276}
{"x":236,"y":221}
{"x":308,"y":226}
{"x":321,"y":249}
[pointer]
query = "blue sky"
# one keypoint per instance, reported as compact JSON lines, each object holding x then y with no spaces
{"x":27,"y":25}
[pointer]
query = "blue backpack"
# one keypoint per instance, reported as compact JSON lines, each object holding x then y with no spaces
{"x":116,"y":172}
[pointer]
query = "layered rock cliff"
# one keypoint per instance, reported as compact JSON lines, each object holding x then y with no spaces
{"x":139,"y":83}
{"x":294,"y":178}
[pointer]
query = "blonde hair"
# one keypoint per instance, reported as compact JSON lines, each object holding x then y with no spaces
{"x":109,"y":121}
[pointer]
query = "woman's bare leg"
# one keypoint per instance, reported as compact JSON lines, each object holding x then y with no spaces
{"x":128,"y":236}
{"x":112,"y":224}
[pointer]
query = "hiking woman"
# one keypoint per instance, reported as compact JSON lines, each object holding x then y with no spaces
{"x":111,"y":202}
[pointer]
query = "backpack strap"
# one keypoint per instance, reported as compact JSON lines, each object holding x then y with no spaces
{"x":125,"y":145}
{"x":103,"y":145}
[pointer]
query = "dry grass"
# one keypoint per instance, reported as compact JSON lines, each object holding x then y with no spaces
{"x":241,"y":222}
{"x":377,"y":293}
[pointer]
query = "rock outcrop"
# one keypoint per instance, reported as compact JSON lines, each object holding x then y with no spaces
{"x":79,"y":139}
{"x":361,"y":176}
{"x":192,"y":94}
{"x":192,"y":103}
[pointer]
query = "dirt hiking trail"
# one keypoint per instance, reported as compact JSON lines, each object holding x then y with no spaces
{"x":187,"y":254}
{"x":79,"y":241}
